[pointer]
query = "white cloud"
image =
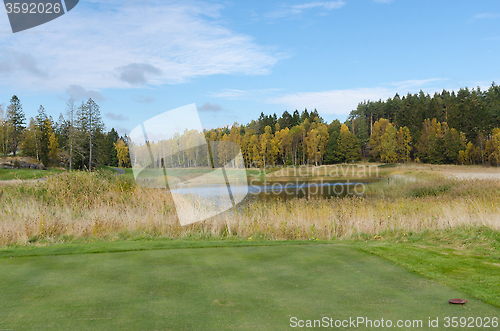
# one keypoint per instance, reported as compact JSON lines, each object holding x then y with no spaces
{"x":486,"y":16}
{"x":294,"y":10}
{"x":119,"y":44}
{"x":341,"y":102}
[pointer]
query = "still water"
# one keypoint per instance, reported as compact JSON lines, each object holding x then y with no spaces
{"x":283,"y":190}
{"x":303,"y":189}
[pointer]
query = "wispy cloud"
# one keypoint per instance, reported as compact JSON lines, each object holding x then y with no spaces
{"x":137,"y":73}
{"x":123,"y":44}
{"x":116,"y":117}
{"x":122,"y":130}
{"x":486,"y":16}
{"x":78,"y":93}
{"x":341,"y":102}
{"x":207,"y":106}
{"x":143,"y":98}
{"x":295,"y":10}
{"x":13,"y":61}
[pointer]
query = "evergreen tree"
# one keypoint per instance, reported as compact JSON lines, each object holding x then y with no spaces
{"x":295,"y":118}
{"x":89,"y":135}
{"x":332,"y":155}
{"x":15,"y":122}
{"x":111,"y":139}
{"x":304,"y":116}
{"x":285,"y":121}
{"x":42,"y":135}
{"x":95,"y":125}
{"x":452,"y":146}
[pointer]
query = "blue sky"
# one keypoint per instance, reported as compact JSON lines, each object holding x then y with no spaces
{"x":236,"y":59}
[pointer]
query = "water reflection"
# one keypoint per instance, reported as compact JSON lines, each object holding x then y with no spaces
{"x":284,"y":190}
{"x":303,"y":189}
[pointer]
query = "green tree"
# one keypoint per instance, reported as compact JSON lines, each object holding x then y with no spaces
{"x":348,"y":145}
{"x":42,"y":135}
{"x":122,"y":153}
{"x":266,"y":147}
{"x":29,"y":141}
{"x":297,"y":134}
{"x":95,"y":124}
{"x":404,"y":144}
{"x":111,"y":138}
{"x":90,"y":127}
{"x":470,"y":153}
{"x":435,"y":150}
{"x":452,"y":146}
{"x":481,"y":146}
{"x":495,"y":146}
{"x":332,"y":155}
{"x":379,"y":128}
{"x":53,"y":147}
{"x":15,"y":122}
{"x":389,"y":145}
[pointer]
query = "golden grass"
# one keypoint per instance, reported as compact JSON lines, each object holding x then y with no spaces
{"x":100,"y":205}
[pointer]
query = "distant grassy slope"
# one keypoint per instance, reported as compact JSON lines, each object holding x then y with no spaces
{"x":9,"y":174}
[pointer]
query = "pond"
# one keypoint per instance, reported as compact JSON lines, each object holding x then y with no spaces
{"x":290,"y":189}
{"x":259,"y":190}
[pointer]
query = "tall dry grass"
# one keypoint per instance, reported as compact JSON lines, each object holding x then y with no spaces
{"x":101,"y":205}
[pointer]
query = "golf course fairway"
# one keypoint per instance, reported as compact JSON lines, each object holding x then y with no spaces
{"x":198,"y":287}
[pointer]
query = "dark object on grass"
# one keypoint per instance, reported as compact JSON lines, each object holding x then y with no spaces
{"x":457,"y":301}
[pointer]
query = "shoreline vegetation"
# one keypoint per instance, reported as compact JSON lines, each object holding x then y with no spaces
{"x":409,"y":198}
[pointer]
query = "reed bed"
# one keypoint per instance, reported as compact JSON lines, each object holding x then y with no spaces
{"x":76,"y":206}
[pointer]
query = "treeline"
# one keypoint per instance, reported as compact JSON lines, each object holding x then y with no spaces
{"x":78,"y":140}
{"x":449,"y":127}
{"x":292,"y":139}
{"x":438,"y":144}
{"x":461,"y":128}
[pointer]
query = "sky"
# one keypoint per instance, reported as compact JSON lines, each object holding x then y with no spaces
{"x":236,"y":59}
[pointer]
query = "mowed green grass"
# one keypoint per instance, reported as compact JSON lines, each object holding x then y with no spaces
{"x":9,"y":174}
{"x":199,"y":286}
